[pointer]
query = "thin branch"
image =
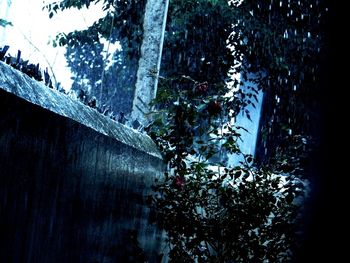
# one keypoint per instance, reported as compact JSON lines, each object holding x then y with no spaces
{"x":104,"y":61}
{"x":40,"y":52}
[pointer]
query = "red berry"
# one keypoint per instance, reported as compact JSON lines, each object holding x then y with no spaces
{"x":202,"y":87}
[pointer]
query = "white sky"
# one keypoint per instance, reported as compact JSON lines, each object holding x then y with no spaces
{"x":32,"y":31}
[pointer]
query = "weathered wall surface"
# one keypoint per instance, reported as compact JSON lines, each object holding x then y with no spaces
{"x":72,"y":182}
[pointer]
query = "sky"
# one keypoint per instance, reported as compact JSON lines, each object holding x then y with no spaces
{"x":33,"y":31}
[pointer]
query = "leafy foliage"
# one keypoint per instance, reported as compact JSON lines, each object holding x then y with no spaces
{"x":212,"y":212}
{"x":195,"y":45}
{"x":123,"y":22}
{"x":227,"y":218}
{"x":5,"y":23}
{"x":88,"y":78}
{"x":195,"y":41}
{"x":246,"y":213}
{"x":111,"y":85}
{"x":285,"y":40}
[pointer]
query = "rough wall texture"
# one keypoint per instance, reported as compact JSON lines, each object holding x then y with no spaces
{"x":72,"y":182}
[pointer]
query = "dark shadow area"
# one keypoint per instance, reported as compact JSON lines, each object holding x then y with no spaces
{"x":67,"y":192}
{"x":325,"y":217}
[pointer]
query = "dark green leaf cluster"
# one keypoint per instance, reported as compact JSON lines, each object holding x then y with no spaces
{"x":212,"y":212}
{"x":225,"y":214}
{"x":284,"y":40}
{"x":195,"y":41}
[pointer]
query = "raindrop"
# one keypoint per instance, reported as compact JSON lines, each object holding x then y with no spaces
{"x":294,"y":87}
{"x":308,"y":34}
{"x":304,"y":140}
{"x":277,"y":99}
{"x":285,"y":35}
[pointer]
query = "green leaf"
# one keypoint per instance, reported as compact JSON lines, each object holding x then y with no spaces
{"x":249,"y":159}
{"x":237,"y":174}
{"x":5,"y":23}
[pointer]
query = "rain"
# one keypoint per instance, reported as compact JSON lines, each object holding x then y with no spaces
{"x":160,"y":130}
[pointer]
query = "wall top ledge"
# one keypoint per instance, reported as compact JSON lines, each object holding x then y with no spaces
{"x":19,"y":84}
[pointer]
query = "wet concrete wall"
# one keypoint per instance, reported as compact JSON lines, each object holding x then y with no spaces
{"x":73,"y":183}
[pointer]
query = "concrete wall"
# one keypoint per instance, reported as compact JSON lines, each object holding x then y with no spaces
{"x":73,"y":183}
